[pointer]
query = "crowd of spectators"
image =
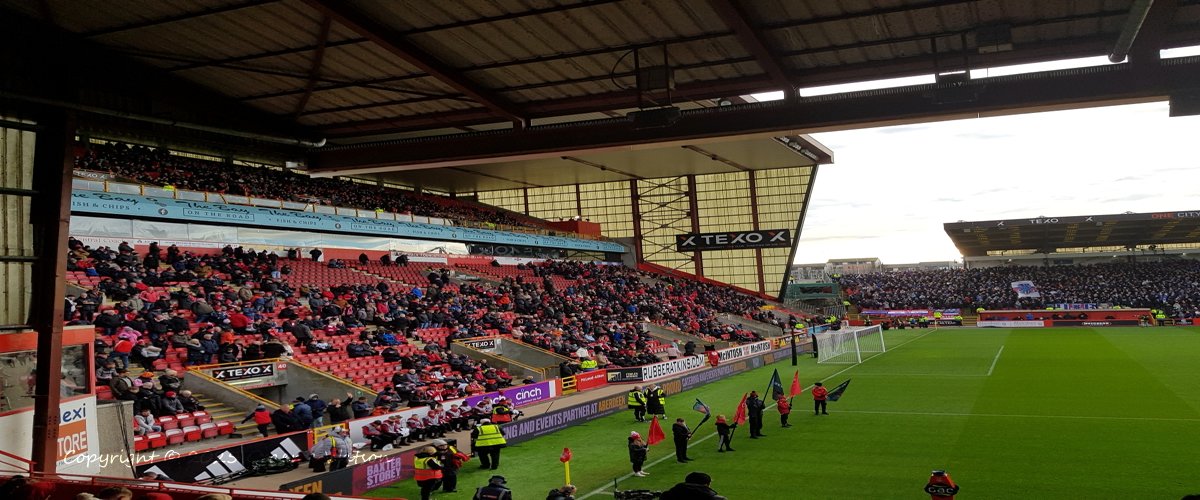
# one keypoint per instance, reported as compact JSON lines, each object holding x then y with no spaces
{"x":160,"y":167}
{"x":241,"y":305}
{"x":1172,"y":285}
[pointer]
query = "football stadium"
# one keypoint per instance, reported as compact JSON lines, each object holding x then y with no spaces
{"x":497,"y":249}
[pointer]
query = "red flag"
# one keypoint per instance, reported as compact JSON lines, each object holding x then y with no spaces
{"x":656,"y":434}
{"x":739,"y":416}
{"x":796,"y":388}
{"x":566,"y":455}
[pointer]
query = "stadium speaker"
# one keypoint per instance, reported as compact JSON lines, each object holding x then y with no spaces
{"x":1185,"y":103}
{"x":655,"y":118}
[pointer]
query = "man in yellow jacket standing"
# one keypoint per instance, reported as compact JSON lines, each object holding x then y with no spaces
{"x":486,"y":441}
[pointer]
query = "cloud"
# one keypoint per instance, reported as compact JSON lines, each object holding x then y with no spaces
{"x":904,"y":129}
{"x":982,"y":136}
{"x":900,"y":184}
{"x":813,"y":239}
{"x":1131,"y":197}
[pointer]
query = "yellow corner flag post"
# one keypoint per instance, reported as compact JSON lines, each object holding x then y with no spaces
{"x":566,"y":460}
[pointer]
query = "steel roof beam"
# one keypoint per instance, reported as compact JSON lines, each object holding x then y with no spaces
{"x":391,"y":41}
{"x":1142,"y":36}
{"x":997,"y":96}
{"x":315,"y":72}
{"x":904,"y":67}
{"x":417,"y":31}
{"x":749,"y":36}
{"x":176,"y":18}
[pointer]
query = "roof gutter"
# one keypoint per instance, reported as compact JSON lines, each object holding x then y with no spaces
{"x":162,"y":121}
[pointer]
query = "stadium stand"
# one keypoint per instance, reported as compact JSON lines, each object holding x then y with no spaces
{"x":169,"y":309}
{"x":1173,"y":286}
{"x":161,"y":168}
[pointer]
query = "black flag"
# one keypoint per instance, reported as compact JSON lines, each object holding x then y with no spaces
{"x":776,"y":386}
{"x":837,"y":392}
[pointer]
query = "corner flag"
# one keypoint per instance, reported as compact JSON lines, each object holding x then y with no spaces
{"x":837,"y":392}
{"x":796,"y":388}
{"x":656,"y":434}
{"x":776,"y":387}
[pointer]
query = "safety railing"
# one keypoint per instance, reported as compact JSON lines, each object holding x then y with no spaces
{"x":543,"y":373}
{"x":17,"y":464}
{"x":197,"y":371}
{"x":360,"y":388}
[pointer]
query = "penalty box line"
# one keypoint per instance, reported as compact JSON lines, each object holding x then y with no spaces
{"x":604,"y":489}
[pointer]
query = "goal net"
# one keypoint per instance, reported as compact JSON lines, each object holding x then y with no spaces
{"x":850,"y":345}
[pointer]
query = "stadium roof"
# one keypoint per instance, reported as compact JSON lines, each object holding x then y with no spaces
{"x":1046,"y":234}
{"x":407,"y":83}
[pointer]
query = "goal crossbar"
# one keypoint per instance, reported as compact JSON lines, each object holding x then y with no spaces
{"x":848,"y":345}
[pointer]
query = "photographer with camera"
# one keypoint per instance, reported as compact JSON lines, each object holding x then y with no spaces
{"x":694,"y":487}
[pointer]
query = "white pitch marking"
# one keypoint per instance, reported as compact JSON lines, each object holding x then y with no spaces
{"x":994,"y":360}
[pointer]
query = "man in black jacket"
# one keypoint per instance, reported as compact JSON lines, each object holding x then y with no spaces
{"x":682,"y":434}
{"x":694,"y":487}
{"x":754,"y":408}
{"x":284,"y":421}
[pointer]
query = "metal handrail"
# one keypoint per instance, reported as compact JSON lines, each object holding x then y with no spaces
{"x":28,"y":467}
{"x":193,"y":370}
{"x":362,"y":388}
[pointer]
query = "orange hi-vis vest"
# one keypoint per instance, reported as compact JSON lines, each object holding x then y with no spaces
{"x":423,"y":472}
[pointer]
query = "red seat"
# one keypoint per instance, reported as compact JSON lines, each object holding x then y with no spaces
{"x":208,"y":430}
{"x":191,"y":433}
{"x":174,"y":436}
{"x":185,"y":420}
{"x":140,"y":443}
{"x":168,"y":422}
{"x":225,"y":427}
{"x":202,"y":417}
{"x":157,"y":439}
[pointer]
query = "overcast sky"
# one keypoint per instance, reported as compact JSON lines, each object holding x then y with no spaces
{"x":890,"y":189}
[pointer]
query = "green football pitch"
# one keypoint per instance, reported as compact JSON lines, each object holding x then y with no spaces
{"x":1056,"y":413}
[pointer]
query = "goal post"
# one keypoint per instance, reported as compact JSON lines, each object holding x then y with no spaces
{"x":850,"y":345}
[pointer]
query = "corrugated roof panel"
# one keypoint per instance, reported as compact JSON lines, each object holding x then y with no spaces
{"x":265,"y":28}
{"x":93,"y":15}
{"x":241,"y":83}
{"x":280,"y":106}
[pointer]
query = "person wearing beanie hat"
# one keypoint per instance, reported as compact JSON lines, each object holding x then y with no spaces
{"x":451,"y":460}
{"x":637,"y":453}
{"x":696,"y":486}
{"x":496,"y":489}
{"x":427,"y":470}
{"x":317,"y":406}
{"x":262,"y":419}
{"x":168,"y":404}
